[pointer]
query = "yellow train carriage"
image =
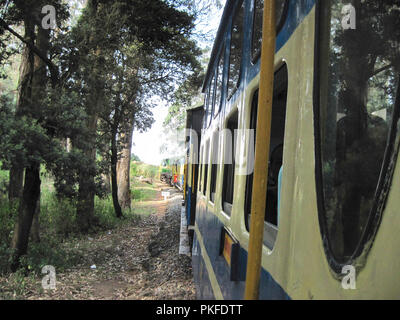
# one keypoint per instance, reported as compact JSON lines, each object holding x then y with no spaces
{"x":330,"y":229}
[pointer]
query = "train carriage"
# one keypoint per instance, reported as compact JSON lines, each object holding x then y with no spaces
{"x":332,"y":185}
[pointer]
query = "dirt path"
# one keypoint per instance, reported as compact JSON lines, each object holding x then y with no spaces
{"x":156,"y":269}
{"x":137,"y":261}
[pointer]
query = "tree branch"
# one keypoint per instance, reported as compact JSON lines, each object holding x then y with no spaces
{"x":380,"y":70}
{"x":147,"y":81}
{"x":50,"y":64}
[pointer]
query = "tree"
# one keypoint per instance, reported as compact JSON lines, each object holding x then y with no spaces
{"x":88,"y":84}
{"x":141,"y":67}
{"x":35,"y":130}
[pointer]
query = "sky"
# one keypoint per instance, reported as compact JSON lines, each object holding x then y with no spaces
{"x":147,"y":145}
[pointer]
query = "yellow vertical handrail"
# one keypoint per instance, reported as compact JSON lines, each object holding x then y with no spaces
{"x":263,"y":132}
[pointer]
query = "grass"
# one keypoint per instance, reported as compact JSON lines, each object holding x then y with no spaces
{"x":141,"y":193}
{"x":59,"y":231}
{"x":146,"y":170}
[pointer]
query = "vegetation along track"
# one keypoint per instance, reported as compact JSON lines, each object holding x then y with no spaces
{"x":138,"y":260}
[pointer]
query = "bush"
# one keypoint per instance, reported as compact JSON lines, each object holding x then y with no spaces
{"x":5,"y":258}
{"x":49,"y":252}
{"x":7,"y":221}
{"x":8,"y":214}
{"x":57,"y":216}
{"x":105,"y":213}
{"x":57,"y":223}
{"x":4,"y":180}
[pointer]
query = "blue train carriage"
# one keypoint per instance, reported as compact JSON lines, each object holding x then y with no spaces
{"x":331,"y":213}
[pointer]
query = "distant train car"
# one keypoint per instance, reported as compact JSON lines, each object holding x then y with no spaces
{"x":165,"y":171}
{"x":172,"y":172}
{"x":178,"y":173}
{"x":331,"y":210}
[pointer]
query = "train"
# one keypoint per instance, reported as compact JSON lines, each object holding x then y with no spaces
{"x":292,"y":176}
{"x":171,"y":171}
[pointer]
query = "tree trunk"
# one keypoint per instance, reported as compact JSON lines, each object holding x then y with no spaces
{"x":24,"y":97}
{"x":35,"y":232}
{"x":86,"y":194}
{"x":123,"y":170}
{"x":114,"y":184}
{"x":16,"y":182}
{"x":31,"y":189}
{"x":39,"y":82}
{"x":26,"y":212}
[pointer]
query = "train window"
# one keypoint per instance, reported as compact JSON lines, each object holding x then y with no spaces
{"x":212,"y":100}
{"x":201,"y":165}
{"x":281,"y":7}
{"x":206,"y":107}
{"x":214,"y":165}
{"x":275,"y":157}
{"x":357,"y":114}
{"x":235,"y":56}
{"x":218,"y":94}
{"x":249,"y":179}
{"x":229,"y":163}
{"x":206,"y":161}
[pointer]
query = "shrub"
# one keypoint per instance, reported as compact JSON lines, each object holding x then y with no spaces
{"x":57,"y":216}
{"x":49,"y":252}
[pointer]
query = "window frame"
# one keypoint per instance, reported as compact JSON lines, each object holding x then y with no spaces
{"x":235,"y":112}
{"x":214,"y":166}
{"x":386,"y":174}
{"x":219,"y":103}
{"x":239,"y":6}
{"x":213,"y":88}
{"x":206,"y":166}
{"x":255,"y":57}
{"x":201,"y":169}
{"x":206,"y":106}
{"x":270,"y":229}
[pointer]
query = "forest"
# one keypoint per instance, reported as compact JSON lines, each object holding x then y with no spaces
{"x":76,"y":78}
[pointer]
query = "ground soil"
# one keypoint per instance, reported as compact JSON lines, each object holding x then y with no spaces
{"x":139,"y":260}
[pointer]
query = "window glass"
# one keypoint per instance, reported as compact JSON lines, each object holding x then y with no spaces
{"x":275,"y":166}
{"x":249,"y":179}
{"x":212,"y":100}
{"x":214,"y":165}
{"x":218,"y":94}
{"x":206,"y":161}
{"x":201,"y":165}
{"x":229,"y":163}
{"x":206,"y":107}
{"x":359,"y":80}
{"x":236,"y":49}
{"x":258,"y":22}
